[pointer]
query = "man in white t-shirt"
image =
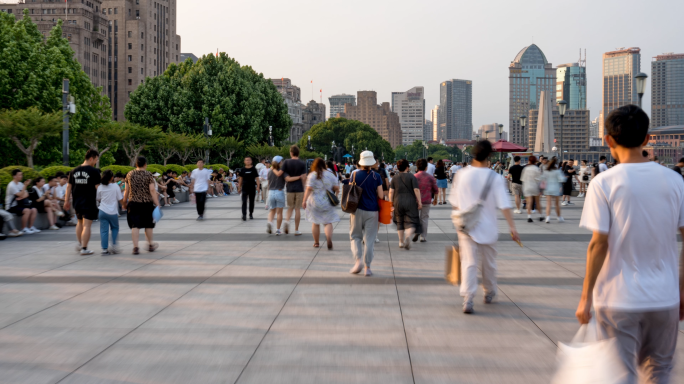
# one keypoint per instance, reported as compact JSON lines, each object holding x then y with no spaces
{"x":200,"y":184}
{"x":17,"y":202}
{"x":431,"y":166}
{"x":602,"y":167}
{"x":454,"y":168}
{"x":466,"y":191}
{"x":634,"y":212}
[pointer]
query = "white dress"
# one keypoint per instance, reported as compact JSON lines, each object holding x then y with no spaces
{"x":318,"y":208}
{"x":530,"y":177}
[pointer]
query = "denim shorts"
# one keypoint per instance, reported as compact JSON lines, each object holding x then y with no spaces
{"x":442,"y":183}
{"x":276,"y":199}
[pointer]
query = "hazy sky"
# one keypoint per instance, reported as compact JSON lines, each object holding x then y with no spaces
{"x":352,"y":45}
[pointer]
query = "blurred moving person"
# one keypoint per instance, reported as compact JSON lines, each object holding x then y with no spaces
{"x":442,"y":182}
{"x":554,"y":180}
{"x":140,"y":200}
{"x":319,"y":211}
{"x":428,"y":194}
{"x":109,"y":195}
{"x":515,"y":172}
{"x":405,"y":197}
{"x":276,"y":195}
{"x":531,"y":177}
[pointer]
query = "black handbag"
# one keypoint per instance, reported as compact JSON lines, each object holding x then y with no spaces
{"x":334,"y":201}
{"x":351,"y":194}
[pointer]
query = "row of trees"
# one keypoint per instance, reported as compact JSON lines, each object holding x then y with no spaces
{"x":417,"y":150}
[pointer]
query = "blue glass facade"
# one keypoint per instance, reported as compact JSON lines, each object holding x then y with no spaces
{"x":571,"y":85}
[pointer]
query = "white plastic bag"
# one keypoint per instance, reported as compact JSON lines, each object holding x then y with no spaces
{"x":589,"y":360}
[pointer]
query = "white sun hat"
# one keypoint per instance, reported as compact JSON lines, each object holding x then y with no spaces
{"x":367,"y":159}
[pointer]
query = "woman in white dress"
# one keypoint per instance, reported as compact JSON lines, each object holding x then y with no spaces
{"x":584,"y":176}
{"x":530,"y":177}
{"x":316,"y":204}
{"x":554,"y":179}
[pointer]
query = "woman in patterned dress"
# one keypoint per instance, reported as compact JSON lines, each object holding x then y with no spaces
{"x":318,"y":208}
{"x":140,"y":200}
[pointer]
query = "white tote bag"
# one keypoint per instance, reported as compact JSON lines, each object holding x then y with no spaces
{"x":587,"y":360}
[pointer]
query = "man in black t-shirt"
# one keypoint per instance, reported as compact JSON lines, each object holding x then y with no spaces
{"x":82,"y":188}
{"x":295,"y":174}
{"x":515,"y":171}
{"x":248,"y":186}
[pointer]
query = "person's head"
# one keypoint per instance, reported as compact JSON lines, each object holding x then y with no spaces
{"x":481,"y":150}
{"x":248,"y":162}
{"x":403,"y":165}
{"x":106,"y":177}
{"x":330,"y":165}
{"x":346,"y":175}
{"x":51,"y":181}
{"x":553,"y":164}
{"x":544,"y":160}
{"x":602,"y":159}
{"x":221,"y":171}
{"x":421,"y":164}
{"x":91,"y":157}
{"x":39,"y":181}
{"x":275,"y":164}
{"x":430,"y":160}
{"x":366,"y":160}
{"x":263,"y":161}
{"x":627,"y":127}
{"x":141,"y":162}
{"x":681,"y":161}
{"x":571,"y":162}
{"x":584,"y":163}
{"x":200,"y":164}
{"x":318,"y":166}
{"x":184,"y":173}
{"x":214,"y":173}
{"x":63,"y":180}
{"x":294,"y":151}
{"x":440,"y":163}
{"x":17,"y":175}
{"x":532,"y":160}
{"x":516,"y":159}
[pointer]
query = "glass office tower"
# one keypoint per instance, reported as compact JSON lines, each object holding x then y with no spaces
{"x":667,"y":90}
{"x":571,"y":85}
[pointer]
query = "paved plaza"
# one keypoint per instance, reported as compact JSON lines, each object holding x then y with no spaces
{"x":223,"y":302}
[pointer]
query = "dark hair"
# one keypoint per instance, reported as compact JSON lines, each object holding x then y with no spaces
{"x":421,"y":164}
{"x":91,"y":154}
{"x":584,"y":161}
{"x":141,"y":161}
{"x":481,"y":150}
{"x":429,"y":159}
{"x":681,"y":160}
{"x":644,"y":153}
{"x":318,"y":166}
{"x":59,"y":174}
{"x":402,"y":165}
{"x":37,"y":179}
{"x":184,"y":172}
{"x":198,"y":160}
{"x":119,"y":174}
{"x":330,"y":165}
{"x":516,"y":159}
{"x":294,"y":150}
{"x":64,"y":177}
{"x":440,"y":163}
{"x":532,"y":160}
{"x":106,"y":177}
{"x":552,"y":164}
{"x":50,"y":178}
{"x":602,"y":158}
{"x":628,"y":126}
{"x":15,"y":171}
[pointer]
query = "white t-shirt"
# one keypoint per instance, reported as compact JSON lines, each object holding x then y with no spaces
{"x":640,"y":206}
{"x":12,"y":189}
{"x":455,"y":169}
{"x":60,"y":191}
{"x":263,"y":174}
{"x":603,"y":167}
{"x":465,"y":192}
{"x":109,"y":196}
{"x":201,"y":179}
{"x":431,"y":169}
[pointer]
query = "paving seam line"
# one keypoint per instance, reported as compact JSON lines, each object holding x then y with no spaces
{"x":158,"y":312}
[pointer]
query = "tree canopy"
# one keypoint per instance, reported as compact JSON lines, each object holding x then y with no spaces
{"x":347,"y":133}
{"x":27,"y":127}
{"x":416,"y":151}
{"x":238,"y":101}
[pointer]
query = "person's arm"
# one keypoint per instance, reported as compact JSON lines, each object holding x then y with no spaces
{"x":308,"y":191}
{"x":417,"y":193}
{"x":681,"y":281}
{"x":239,"y":184}
{"x":67,"y":198}
{"x":127,"y":193}
{"x":379,"y":191}
{"x":276,"y":172}
{"x":191,"y":187}
{"x":153,"y":192}
{"x":596,"y":256}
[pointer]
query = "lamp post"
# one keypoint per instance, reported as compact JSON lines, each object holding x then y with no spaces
{"x":477,"y":137}
{"x":308,"y":143}
{"x":562,"y":105}
{"x":500,"y":133}
{"x":270,"y":136}
{"x":332,"y":151}
{"x":425,"y":151}
{"x":207,"y":134}
{"x":65,"y":122}
{"x":641,"y":85}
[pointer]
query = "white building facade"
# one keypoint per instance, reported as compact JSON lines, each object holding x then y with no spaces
{"x":410,"y":106}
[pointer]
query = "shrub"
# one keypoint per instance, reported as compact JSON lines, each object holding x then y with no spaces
{"x":191,"y":167}
{"x":155,"y":168}
{"x":177,"y":168}
{"x":123,"y":169}
{"x":29,"y":173}
{"x":216,"y":167}
{"x":51,"y":171}
{"x":5,"y":178}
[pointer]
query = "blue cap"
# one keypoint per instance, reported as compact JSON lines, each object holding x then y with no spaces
{"x":277,"y":159}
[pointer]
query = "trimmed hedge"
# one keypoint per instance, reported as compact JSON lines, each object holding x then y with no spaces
{"x":191,"y":167}
{"x":29,"y":173}
{"x":5,"y":178}
{"x":216,"y":167}
{"x":51,"y":171}
{"x":155,"y":168}
{"x":123,"y":169}
{"x":177,"y":168}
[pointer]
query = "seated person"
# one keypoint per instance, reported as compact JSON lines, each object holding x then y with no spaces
{"x":17,"y":201}
{"x":224,"y":176}
{"x":40,"y":201}
{"x":170,"y":184}
{"x":217,"y":180}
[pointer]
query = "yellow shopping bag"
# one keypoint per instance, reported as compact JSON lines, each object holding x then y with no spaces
{"x":452,"y":270}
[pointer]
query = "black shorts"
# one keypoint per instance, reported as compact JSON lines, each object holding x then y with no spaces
{"x":88,"y":214}
{"x":18,"y":209}
{"x":139,"y":215}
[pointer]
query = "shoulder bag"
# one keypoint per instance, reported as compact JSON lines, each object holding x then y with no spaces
{"x":332,"y":198}
{"x":351,"y":194}
{"x":466,"y":219}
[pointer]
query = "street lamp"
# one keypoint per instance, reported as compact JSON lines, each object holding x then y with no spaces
{"x":270,"y":135}
{"x":207,"y":134}
{"x":477,"y":137}
{"x":641,"y":85}
{"x":562,"y":105}
{"x":308,"y":143}
{"x":425,"y":152}
{"x":500,"y":133}
{"x":332,"y":151}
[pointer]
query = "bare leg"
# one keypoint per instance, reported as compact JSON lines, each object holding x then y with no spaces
{"x":517,"y":202}
{"x":298,"y":217}
{"x":557,"y":207}
{"x":135,"y":236}
{"x":289,"y":213}
{"x":279,"y":215}
{"x":328,"y":232}
{"x":32,"y":220}
{"x":271,"y":214}
{"x":530,"y":202}
{"x":149,"y":235}
{"x":400,"y":232}
{"x":316,"y":232}
{"x":79,"y":231}
{"x":540,"y":209}
{"x":85,"y":235}
{"x":548,"y":205}
{"x":25,"y":216}
{"x":50,"y":215}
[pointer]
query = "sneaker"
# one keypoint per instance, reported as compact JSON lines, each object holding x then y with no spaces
{"x":376,"y":239}
{"x":175,"y":201}
{"x":244,"y":218}
{"x":86,"y":252}
{"x":251,"y":217}
{"x":401,"y":245}
{"x":153,"y":247}
{"x":570,"y":203}
{"x":407,"y":244}
{"x":54,"y":228}
{"x":78,"y":247}
{"x":136,"y":250}
{"x":278,"y":233}
{"x":415,"y":237}
{"x":488,"y":299}
{"x":548,"y":219}
{"x":105,"y":252}
{"x":297,"y":233}
{"x":534,"y":211}
{"x":517,"y":211}
{"x":59,"y":213}
{"x":422,"y":239}
{"x":269,"y":228}
{"x":14,"y":233}
{"x":368,"y":273}
{"x":529,"y":220}
{"x":468,"y":307}
{"x":564,"y":203}
{"x":561,"y":219}
{"x":541,"y":218}
{"x":114,"y":249}
{"x":356,"y":268}
{"x":200,"y":218}
{"x":35,"y":230}
{"x":27,"y":231}
{"x":286,"y":227}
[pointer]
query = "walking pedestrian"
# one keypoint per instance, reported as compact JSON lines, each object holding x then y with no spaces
{"x":295,"y":175}
{"x":481,"y":239}
{"x":584,"y":176}
{"x":82,"y":187}
{"x":317,"y":206}
{"x":531,"y":176}
{"x":263,"y":180}
{"x":431,"y":166}
{"x":17,"y":202}
{"x":276,"y":195}
{"x":364,"y":222}
{"x":248,"y":185}
{"x":428,"y":194}
{"x":631,"y":276}
{"x":602,"y":166}
{"x":570,"y":173}
{"x":140,"y":200}
{"x":554,"y":180}
{"x":442,"y":182}
{"x":406,"y":199}
{"x":109,"y":195}
{"x":199,"y":186}
{"x":515,"y":173}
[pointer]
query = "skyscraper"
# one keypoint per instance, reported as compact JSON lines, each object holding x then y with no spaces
{"x":571,"y":85}
{"x":435,"y":123}
{"x":379,"y":117}
{"x":456,"y":109}
{"x":529,"y":74}
{"x":427,"y":131}
{"x":410,"y":107}
{"x":667,"y":90}
{"x":337,"y":103}
{"x":619,"y":84}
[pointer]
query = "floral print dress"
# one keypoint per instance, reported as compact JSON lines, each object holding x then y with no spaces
{"x":318,"y":207}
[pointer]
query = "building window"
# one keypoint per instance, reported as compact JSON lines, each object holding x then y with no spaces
{"x":130,"y":82}
{"x":130,"y":34}
{"x":142,"y":59}
{"x":116,"y":10}
{"x":142,"y":35}
{"x":137,"y":13}
{"x":142,"y":71}
{"x":130,"y":58}
{"x":130,"y":69}
{"x":130,"y":45}
{"x":142,"y":47}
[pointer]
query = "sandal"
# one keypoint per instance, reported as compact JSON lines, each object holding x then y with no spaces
{"x":153,"y":247}
{"x":316,"y":245}
{"x":330,"y":245}
{"x":136,"y":251}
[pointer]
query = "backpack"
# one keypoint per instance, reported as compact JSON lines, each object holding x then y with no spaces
{"x":466,"y":220}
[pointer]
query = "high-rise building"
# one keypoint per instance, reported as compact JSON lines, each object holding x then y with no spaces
{"x":546,"y":120}
{"x":667,"y":90}
{"x":571,"y":85}
{"x":142,"y":34}
{"x":435,"y":124}
{"x":184,"y":56}
{"x":427,"y":131}
{"x":410,"y":107}
{"x":489,"y":132}
{"x":337,"y":103}
{"x":594,"y":128}
{"x":529,"y":74}
{"x":379,"y":117}
{"x":456,"y":108}
{"x":619,"y":84}
{"x":84,"y":25}
{"x":292,"y":97}
{"x":312,"y":114}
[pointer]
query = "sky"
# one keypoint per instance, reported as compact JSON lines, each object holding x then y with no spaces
{"x":392,"y":46}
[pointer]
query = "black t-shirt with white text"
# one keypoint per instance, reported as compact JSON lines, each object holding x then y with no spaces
{"x":84,"y":180}
{"x":249,"y":176}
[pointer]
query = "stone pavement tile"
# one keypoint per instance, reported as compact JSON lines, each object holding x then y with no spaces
{"x":254,"y":267}
{"x":338,"y":317}
{"x":36,"y":355}
{"x":172,"y":356}
{"x":467,"y":375}
{"x":276,"y":374}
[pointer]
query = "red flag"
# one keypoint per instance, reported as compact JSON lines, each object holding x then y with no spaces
{"x":216,"y":52}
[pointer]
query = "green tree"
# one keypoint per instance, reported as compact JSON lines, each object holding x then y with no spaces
{"x":170,"y":144}
{"x":26,"y":127}
{"x":348,"y":133}
{"x":263,"y":151}
{"x":189,"y":149}
{"x":137,"y":138}
{"x":238,"y":101}
{"x":226,"y":147}
{"x":104,"y":138}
